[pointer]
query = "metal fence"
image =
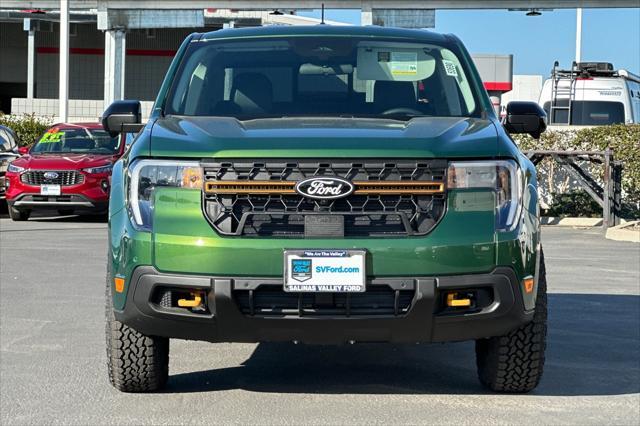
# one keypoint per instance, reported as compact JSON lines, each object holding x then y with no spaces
{"x":608,"y":195}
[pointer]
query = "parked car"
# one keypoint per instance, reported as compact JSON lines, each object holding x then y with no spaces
{"x":68,"y":170}
{"x":325,"y":185}
{"x":8,"y":153}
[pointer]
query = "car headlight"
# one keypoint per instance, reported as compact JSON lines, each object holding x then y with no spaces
{"x":14,"y":169}
{"x":503,"y":177}
{"x":145,"y":176}
{"x":100,"y":169}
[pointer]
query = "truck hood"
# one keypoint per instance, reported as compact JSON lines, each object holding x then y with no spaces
{"x":66,"y":161}
{"x":425,"y":137}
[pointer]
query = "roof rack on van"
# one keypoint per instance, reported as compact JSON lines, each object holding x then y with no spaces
{"x":629,"y":75}
{"x":586,"y":69}
{"x":596,"y":68}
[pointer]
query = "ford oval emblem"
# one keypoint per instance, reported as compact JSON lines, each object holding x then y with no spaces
{"x":324,"y":188}
{"x":50,"y":175}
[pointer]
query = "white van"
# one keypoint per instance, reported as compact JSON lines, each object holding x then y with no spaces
{"x":591,"y":94}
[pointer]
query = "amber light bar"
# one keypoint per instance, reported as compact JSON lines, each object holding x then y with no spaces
{"x":249,"y":187}
{"x":398,"y":188}
{"x":361,"y":187}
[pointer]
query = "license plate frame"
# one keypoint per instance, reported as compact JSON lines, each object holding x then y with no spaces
{"x":50,"y":189}
{"x":338,"y":277}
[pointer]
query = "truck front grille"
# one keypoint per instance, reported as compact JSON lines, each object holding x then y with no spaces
{"x":273,"y":301}
{"x":63,"y":178}
{"x":258,"y":199}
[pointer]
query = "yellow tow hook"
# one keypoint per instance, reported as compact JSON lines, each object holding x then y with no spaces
{"x":453,"y":302}
{"x":191,"y":303}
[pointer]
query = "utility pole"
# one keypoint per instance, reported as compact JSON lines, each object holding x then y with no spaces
{"x":578,"y":34}
{"x":63,"y":81}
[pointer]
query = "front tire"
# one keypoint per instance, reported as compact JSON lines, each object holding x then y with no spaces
{"x":18,"y":215}
{"x":136,"y":362}
{"x":514,"y":362}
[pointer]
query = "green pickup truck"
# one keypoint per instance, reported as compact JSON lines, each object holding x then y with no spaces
{"x":324,"y":185}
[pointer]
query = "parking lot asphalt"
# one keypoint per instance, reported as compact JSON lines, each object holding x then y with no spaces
{"x":53,"y":363}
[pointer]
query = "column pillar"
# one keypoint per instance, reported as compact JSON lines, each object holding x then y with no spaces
{"x":29,"y":26}
{"x":63,"y":78}
{"x":366,"y":14}
{"x":114,"y":64}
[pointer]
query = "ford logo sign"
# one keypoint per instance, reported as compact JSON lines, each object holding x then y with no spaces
{"x":50,"y":175}
{"x":324,"y":188}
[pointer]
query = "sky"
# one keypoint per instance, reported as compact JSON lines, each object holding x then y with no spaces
{"x":608,"y":35}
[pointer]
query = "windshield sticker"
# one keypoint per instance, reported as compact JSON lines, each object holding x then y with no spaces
{"x":404,"y":63}
{"x":450,"y":68}
{"x":51,"y":137}
{"x":384,"y":56}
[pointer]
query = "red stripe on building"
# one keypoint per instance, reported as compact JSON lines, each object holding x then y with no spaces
{"x":73,"y":50}
{"x":498,"y":86}
{"x":96,"y":51}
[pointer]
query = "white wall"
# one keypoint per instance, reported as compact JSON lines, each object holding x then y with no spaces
{"x":525,"y":88}
{"x":80,"y":111}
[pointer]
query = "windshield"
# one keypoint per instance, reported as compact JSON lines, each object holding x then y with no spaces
{"x":321,"y":76}
{"x":80,"y":140}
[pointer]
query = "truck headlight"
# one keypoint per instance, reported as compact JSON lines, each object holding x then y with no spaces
{"x":502,"y":176}
{"x":147,"y":175}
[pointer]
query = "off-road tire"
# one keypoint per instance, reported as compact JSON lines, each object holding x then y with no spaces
{"x":514,"y":362}
{"x":136,"y":362}
{"x":18,"y":215}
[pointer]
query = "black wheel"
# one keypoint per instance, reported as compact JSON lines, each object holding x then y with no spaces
{"x":18,"y":215}
{"x":65,"y":212}
{"x":514,"y":362}
{"x":136,"y":362}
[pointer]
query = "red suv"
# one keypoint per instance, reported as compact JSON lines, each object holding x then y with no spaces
{"x":67,"y":171}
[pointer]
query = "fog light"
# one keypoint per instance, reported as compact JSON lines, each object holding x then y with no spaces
{"x":105,"y":185}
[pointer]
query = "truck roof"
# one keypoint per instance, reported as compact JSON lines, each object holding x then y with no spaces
{"x":343,"y":30}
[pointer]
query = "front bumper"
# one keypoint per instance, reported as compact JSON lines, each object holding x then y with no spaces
{"x":65,"y":201}
{"x":424,"y":321}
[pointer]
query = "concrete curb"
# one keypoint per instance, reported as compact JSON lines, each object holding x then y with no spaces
{"x":571,"y":221}
{"x":620,"y":233}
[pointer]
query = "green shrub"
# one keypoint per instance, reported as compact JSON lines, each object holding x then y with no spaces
{"x":28,"y":127}
{"x":624,"y":140}
{"x":574,"y":203}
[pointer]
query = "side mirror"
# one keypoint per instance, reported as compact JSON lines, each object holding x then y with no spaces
{"x":23,"y":150}
{"x":525,"y":117}
{"x":122,"y":116}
